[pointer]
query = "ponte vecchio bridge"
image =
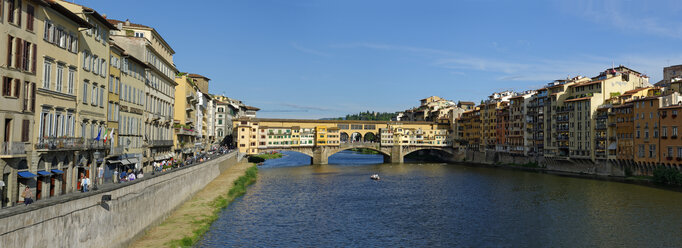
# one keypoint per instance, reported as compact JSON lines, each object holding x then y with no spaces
{"x":320,"y":139}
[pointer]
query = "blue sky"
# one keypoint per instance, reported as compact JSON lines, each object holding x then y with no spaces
{"x":315,"y":59}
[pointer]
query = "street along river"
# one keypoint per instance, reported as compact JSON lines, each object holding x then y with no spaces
{"x":294,"y":204}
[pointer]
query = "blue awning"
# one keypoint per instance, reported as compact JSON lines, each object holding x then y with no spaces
{"x":44,"y":173}
{"x":26,"y":174}
{"x":57,"y":171}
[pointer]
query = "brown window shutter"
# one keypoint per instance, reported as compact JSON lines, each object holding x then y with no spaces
{"x":25,"y":125}
{"x":34,"y":61}
{"x":29,"y":17}
{"x":25,"y":55}
{"x":4,"y":84}
{"x":19,"y":14}
{"x":33,"y":97}
{"x":17,"y":53}
{"x":9,"y":50}
{"x":17,"y":87}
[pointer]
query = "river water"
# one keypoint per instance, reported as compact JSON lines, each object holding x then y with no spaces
{"x":294,"y":204}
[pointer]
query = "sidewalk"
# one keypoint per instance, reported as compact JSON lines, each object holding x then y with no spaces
{"x":108,"y":186}
{"x":180,"y":223}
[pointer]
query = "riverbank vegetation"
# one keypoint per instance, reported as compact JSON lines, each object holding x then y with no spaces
{"x":265,"y":156}
{"x":203,"y":225}
{"x":667,"y":176}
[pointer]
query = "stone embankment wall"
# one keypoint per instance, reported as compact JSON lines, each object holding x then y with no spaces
{"x":586,"y":166}
{"x":85,"y":222}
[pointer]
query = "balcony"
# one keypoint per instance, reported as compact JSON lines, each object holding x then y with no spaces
{"x":562,"y":118}
{"x":12,"y":148}
{"x":154,"y":143}
{"x":91,"y":144}
{"x":562,"y":128}
{"x":564,"y":110}
{"x":116,"y":150}
{"x":562,"y":138}
{"x":60,"y":143}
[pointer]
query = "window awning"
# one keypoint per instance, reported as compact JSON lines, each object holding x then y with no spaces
{"x":57,"y":171}
{"x":613,"y":146}
{"x":44,"y":173}
{"x":26,"y":174}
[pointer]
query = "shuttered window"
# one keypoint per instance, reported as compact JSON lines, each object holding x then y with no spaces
{"x":17,"y":87}
{"x":25,"y":126}
{"x":29,"y":17}
{"x":9,"y":50}
{"x":18,"y":53}
{"x":6,"y":86}
{"x":33,"y":58}
{"x":33,"y":97}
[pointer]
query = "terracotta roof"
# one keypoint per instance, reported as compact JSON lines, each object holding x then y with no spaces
{"x":630,"y":92}
{"x":251,"y":108}
{"x":192,"y":75}
{"x":579,"y":99}
{"x":116,"y":22}
{"x":671,"y":107}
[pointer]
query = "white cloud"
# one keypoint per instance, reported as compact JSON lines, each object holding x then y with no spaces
{"x":309,"y":51}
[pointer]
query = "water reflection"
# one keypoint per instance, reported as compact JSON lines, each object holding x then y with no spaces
{"x":427,"y":204}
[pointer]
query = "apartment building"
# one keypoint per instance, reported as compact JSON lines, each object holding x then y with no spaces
{"x":670,"y":142}
{"x":185,"y":118}
{"x":144,"y":42}
{"x":38,"y":71}
{"x":502,"y":128}
{"x":112,"y":105}
{"x":130,"y":113}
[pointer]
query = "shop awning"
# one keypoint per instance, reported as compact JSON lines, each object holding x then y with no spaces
{"x":158,"y":158}
{"x":168,"y":156}
{"x":26,"y":174}
{"x":114,"y":161}
{"x":44,"y":173}
{"x":57,"y":171}
{"x":613,"y":146}
{"x":133,"y":160}
{"x":125,"y":162}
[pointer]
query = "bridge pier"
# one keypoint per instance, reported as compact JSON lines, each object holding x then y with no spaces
{"x":320,"y":156}
{"x":397,"y":154}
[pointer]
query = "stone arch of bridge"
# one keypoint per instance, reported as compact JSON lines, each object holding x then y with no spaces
{"x":416,"y":149}
{"x":359,"y":147}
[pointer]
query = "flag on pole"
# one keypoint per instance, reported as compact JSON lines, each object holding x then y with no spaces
{"x":99,"y":133}
{"x":106,"y":136}
{"x":111,"y":134}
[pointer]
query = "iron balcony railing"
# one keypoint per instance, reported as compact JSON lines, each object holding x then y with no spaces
{"x":95,"y":144}
{"x":161,"y":143}
{"x":53,"y":143}
{"x":12,"y":148}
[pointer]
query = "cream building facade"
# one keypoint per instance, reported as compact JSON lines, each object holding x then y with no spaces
{"x":159,"y":95}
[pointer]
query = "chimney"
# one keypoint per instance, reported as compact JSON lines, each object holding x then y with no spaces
{"x":127,"y":22}
{"x":119,"y":26}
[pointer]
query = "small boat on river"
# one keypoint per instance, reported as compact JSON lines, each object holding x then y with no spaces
{"x":375,"y":177}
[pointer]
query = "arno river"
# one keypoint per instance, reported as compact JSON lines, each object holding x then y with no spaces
{"x":434,"y":204}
